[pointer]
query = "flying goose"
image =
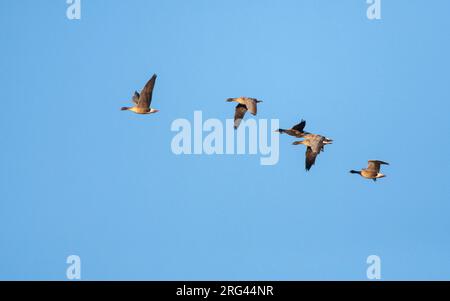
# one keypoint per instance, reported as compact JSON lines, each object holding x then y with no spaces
{"x":299,"y":132}
{"x":372,"y":171}
{"x":314,"y":145}
{"x":142,"y":101}
{"x":296,"y":131}
{"x":244,"y":104}
{"x":316,"y":137}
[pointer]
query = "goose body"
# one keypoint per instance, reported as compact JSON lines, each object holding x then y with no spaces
{"x":244,"y":104}
{"x":296,"y":131}
{"x":372,"y":171}
{"x":143,"y":100}
{"x":314,"y":145}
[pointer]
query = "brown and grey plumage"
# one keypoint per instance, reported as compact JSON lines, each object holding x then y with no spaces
{"x":296,"y":131}
{"x":244,"y":104}
{"x":314,"y":145}
{"x":314,"y":137}
{"x":143,"y":100}
{"x":372,"y":171}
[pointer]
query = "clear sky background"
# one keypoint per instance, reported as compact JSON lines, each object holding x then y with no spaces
{"x":78,"y":176}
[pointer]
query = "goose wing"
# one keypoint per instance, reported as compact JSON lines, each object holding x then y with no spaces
{"x":251,"y":105}
{"x":136,"y":97}
{"x":145,"y":98}
{"x":310,"y":158}
{"x":374,"y":165}
{"x":300,"y":127}
{"x":239,"y":114}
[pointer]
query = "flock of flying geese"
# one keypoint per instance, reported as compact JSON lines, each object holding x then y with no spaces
{"x":314,"y":143}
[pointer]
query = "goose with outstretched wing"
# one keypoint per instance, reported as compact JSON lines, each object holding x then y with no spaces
{"x":143,"y":100}
{"x":296,"y":131}
{"x":372,"y":171}
{"x":314,"y":145}
{"x":244,"y":104}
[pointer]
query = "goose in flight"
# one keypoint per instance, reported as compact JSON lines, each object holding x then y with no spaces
{"x":296,"y":131}
{"x":299,"y":132}
{"x":143,"y":100}
{"x":244,"y":104}
{"x":314,"y":145}
{"x":372,"y":171}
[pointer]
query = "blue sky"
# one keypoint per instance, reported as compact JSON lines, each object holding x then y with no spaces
{"x":78,"y":176}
